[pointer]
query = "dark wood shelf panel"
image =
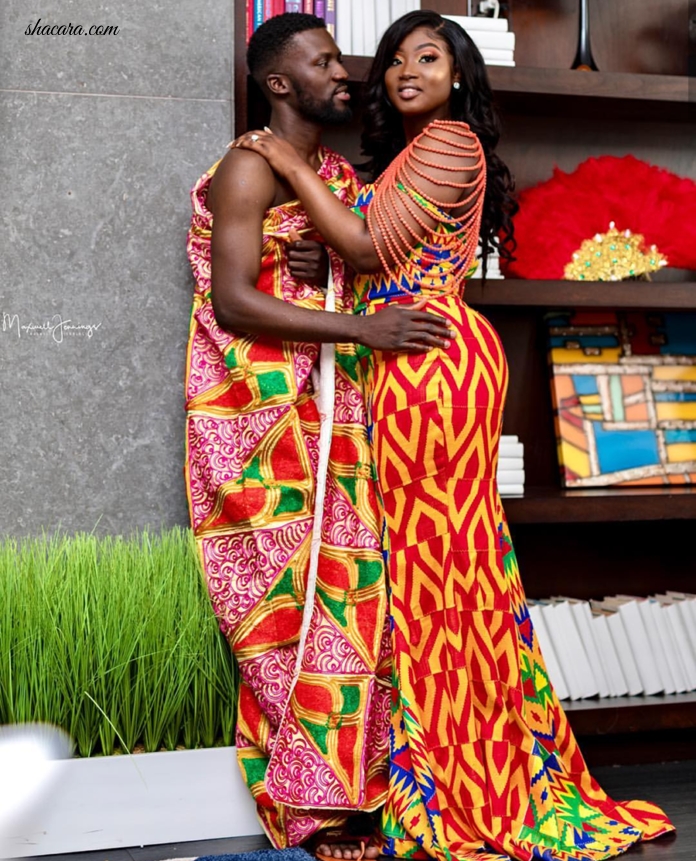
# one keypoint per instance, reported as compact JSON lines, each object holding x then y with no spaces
{"x":566,"y":82}
{"x":592,"y":294}
{"x":357,"y":67}
{"x":605,"y":85}
{"x":600,"y":505}
{"x":632,"y":714}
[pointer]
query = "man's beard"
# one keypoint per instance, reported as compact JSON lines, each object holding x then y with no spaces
{"x":323,"y":113}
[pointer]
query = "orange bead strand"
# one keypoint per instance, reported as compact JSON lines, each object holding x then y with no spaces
{"x":397,"y":190}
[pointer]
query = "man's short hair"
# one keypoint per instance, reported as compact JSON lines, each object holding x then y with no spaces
{"x":272,"y":39}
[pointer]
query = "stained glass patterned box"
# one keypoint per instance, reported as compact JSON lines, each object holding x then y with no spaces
{"x":624,"y":390}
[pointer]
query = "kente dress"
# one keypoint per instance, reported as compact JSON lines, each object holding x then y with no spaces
{"x":484,"y":764}
{"x":314,"y":689}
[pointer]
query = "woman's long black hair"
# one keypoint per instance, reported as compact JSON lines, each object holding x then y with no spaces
{"x":383,"y":136}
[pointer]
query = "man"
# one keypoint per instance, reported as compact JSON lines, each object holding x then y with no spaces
{"x":308,"y":628}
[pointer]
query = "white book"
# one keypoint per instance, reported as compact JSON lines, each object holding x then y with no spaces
{"x":688,"y":620}
{"x":610,"y":658}
{"x":508,"y":463}
{"x":669,"y":646}
{"x":357,"y":14}
{"x":662,"y":663}
{"x":493,"y":41}
{"x":491,"y":274}
{"x":510,"y":449}
{"x":681,"y":639}
{"x":369,"y":28}
{"x":690,"y":599}
{"x":681,"y":649}
{"x":344,"y":26}
{"x":382,"y":17}
{"x":509,"y":63}
{"x":506,"y":439}
{"x":493,"y":254}
{"x":496,"y":54}
{"x":511,"y":490}
{"x":510,"y":476}
{"x":563,"y":647}
{"x":553,"y":668}
{"x":650,"y":678}
{"x":623,"y":650}
{"x":492,"y":271}
{"x":583,"y":620}
{"x":398,"y":8}
{"x":581,"y":661}
{"x":469,"y":22}
{"x":681,"y":645}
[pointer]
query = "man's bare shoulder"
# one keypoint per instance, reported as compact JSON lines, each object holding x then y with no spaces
{"x":242,"y":177}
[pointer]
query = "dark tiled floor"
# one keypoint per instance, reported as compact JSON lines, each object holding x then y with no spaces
{"x":671,"y":785}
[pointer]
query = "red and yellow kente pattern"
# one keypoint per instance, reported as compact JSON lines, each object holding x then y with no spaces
{"x":312,"y":740}
{"x":483,"y":762}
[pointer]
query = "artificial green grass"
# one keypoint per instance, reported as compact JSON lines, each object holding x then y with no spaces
{"x":115,"y":641}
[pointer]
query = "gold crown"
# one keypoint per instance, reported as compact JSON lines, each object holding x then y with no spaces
{"x":613,"y":256}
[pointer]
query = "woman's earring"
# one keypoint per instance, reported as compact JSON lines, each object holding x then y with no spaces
{"x":456,"y":85}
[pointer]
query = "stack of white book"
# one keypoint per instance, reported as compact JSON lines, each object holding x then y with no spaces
{"x":360,"y":24}
{"x":493,"y":267}
{"x":620,"y":646}
{"x":510,"y":466}
{"x":491,"y":36}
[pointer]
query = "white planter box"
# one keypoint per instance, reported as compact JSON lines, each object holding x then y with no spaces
{"x":118,"y":801}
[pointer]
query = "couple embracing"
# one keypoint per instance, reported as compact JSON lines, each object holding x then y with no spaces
{"x":392,"y":696}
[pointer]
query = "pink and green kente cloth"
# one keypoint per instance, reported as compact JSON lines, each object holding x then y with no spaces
{"x":312,"y":735}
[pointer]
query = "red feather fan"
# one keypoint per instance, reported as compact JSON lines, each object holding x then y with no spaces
{"x":556,"y":216}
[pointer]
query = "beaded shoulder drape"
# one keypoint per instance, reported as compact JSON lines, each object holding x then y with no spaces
{"x":443,"y":232}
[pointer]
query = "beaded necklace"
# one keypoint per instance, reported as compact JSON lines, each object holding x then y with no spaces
{"x":397,"y":190}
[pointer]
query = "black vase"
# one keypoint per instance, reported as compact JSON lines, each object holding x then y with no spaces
{"x":583,"y":58}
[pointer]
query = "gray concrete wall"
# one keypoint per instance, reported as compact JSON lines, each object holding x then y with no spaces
{"x":102,"y":139}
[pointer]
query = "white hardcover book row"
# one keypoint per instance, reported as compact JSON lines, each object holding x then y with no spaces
{"x":620,"y":646}
{"x":360,"y":24}
{"x":510,"y":466}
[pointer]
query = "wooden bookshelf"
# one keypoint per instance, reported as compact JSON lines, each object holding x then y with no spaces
{"x":615,"y":715}
{"x":566,"y":82}
{"x":587,"y":294}
{"x":601,"y":504}
{"x":604,"y":85}
{"x":634,"y":729}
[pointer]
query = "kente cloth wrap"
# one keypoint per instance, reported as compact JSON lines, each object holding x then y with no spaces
{"x":483,"y":763}
{"x":312,"y":739}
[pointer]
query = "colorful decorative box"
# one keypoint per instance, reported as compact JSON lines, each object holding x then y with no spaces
{"x":624,"y":391}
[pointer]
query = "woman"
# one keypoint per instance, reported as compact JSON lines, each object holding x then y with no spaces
{"x":483,"y":762}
